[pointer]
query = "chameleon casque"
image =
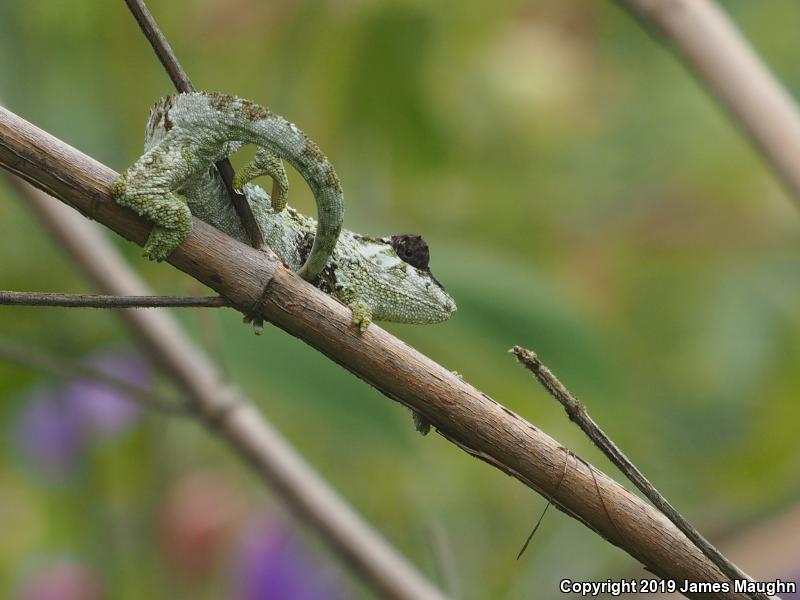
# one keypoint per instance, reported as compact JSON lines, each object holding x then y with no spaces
{"x":385,"y":279}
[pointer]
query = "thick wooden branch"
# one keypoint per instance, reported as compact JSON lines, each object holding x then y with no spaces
{"x":254,"y":280}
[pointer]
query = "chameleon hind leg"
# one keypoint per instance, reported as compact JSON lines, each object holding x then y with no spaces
{"x":147,"y":188}
{"x":266,"y":162}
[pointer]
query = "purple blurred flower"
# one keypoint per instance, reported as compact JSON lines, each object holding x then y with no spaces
{"x":273,"y":566}
{"x":62,"y":579}
{"x":49,"y":433}
{"x":105,"y":410}
{"x":56,"y":424}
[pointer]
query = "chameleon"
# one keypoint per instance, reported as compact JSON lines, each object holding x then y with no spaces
{"x":378,"y":278}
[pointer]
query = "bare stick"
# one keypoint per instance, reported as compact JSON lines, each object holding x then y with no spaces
{"x":182,"y":83}
{"x":473,"y":421}
{"x":717,"y":53}
{"x":247,"y":432}
{"x":40,"y":361}
{"x":579,"y":415}
{"x":108,"y":301}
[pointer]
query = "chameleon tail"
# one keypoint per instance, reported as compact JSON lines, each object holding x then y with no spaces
{"x":255,"y":124}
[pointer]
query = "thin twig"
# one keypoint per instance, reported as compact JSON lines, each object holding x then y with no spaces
{"x":39,"y":361}
{"x":464,"y":415}
{"x":544,"y":512}
{"x":579,"y":415}
{"x":182,"y":83}
{"x":109,"y":301}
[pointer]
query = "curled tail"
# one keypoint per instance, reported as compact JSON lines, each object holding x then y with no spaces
{"x":251,"y":123}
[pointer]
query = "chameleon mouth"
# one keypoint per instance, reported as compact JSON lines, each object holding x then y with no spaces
{"x":436,"y":281}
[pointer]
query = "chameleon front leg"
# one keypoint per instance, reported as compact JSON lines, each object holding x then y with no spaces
{"x":148,"y":187}
{"x":362,"y":311}
{"x":266,"y":162}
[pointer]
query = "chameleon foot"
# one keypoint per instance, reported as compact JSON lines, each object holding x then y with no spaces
{"x":162,"y":242}
{"x":266,"y":162}
{"x":257,"y":322}
{"x":168,"y":212}
{"x":362,"y":315}
{"x":421,"y":424}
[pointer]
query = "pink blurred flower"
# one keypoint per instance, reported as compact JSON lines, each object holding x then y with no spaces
{"x":62,"y":579}
{"x":196,"y":523}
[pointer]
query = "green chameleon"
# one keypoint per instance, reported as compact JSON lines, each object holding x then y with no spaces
{"x":384,"y":278}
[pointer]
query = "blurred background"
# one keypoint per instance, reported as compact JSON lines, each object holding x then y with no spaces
{"x":582,"y":196}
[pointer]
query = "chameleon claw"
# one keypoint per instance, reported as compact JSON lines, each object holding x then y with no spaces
{"x":238,"y":182}
{"x":268,"y":163}
{"x":362,"y":315}
{"x":161,"y":243}
{"x":257,"y":322}
{"x":421,"y":424}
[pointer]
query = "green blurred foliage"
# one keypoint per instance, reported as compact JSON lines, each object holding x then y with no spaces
{"x":582,"y":195}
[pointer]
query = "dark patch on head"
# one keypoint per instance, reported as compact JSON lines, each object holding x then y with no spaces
{"x":254,"y":112}
{"x":331,"y":179}
{"x":220,"y":102}
{"x":412,"y":249}
{"x":311,"y":150}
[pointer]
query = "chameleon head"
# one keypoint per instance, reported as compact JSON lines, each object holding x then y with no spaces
{"x":409,"y":291}
{"x":429,"y":302}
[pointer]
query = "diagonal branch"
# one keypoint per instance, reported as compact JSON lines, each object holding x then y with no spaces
{"x":578,"y":414}
{"x":255,"y":281}
{"x":717,"y":53}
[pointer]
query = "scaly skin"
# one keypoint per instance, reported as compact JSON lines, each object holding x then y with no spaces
{"x":188,"y":132}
